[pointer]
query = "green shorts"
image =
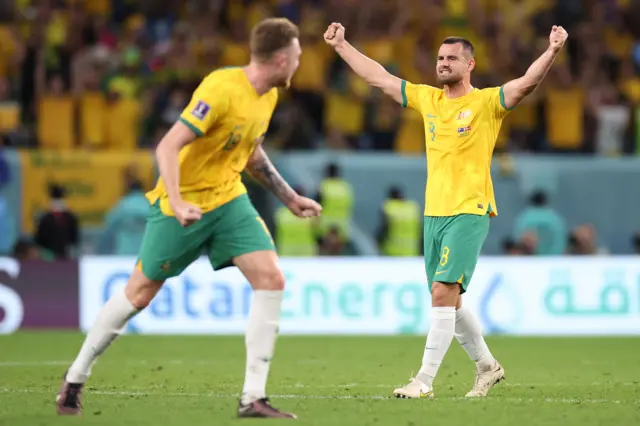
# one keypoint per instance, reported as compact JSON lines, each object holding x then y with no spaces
{"x":452,"y":246}
{"x":231,"y":230}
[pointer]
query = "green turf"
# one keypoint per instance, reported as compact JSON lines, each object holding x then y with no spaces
{"x":166,"y":380}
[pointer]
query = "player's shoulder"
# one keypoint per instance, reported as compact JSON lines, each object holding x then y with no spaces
{"x":222,"y":83}
{"x":223,"y":75}
{"x":489,"y":92}
{"x":422,"y":87}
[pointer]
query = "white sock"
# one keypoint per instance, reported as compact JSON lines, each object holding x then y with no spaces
{"x":469,"y":334}
{"x":438,"y":342}
{"x":260,"y":340}
{"x":110,"y":323}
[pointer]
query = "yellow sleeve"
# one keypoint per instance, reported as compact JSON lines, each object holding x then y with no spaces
{"x":495,"y":98}
{"x":208,"y":104}
{"x":413,"y":95}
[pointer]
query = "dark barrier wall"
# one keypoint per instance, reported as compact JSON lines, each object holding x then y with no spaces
{"x":37,"y":294}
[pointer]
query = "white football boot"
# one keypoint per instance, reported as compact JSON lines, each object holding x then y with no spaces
{"x":415,"y":389}
{"x":485,"y":380}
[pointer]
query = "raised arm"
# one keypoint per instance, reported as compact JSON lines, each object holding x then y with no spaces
{"x":516,"y":90}
{"x":371,"y":71}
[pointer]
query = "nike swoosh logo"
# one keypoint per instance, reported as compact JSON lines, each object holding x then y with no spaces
{"x":431,"y":116}
{"x":440,"y":272}
{"x":425,"y":395}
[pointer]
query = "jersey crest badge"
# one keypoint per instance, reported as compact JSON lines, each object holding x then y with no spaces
{"x":464,"y":116}
{"x":201,"y":110}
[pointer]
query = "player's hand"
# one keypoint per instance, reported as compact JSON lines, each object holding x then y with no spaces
{"x":304,"y":207}
{"x":334,"y":35}
{"x":557,"y":37}
{"x":186,"y":213}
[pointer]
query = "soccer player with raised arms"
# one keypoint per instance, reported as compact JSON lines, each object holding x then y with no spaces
{"x":200,"y":205}
{"x":461,"y":127}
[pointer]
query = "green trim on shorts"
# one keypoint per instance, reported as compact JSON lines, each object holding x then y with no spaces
{"x":229,"y":231}
{"x":452,"y":245}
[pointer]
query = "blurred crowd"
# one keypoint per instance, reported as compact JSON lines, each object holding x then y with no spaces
{"x":115,"y":74}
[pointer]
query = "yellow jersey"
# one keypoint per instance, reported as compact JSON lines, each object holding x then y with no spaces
{"x":461,"y":134}
{"x":229,"y":119}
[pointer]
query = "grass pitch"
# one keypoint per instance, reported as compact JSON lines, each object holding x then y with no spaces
{"x":180,"y":380}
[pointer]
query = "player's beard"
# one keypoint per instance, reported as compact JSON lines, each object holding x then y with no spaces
{"x":448,"y":79}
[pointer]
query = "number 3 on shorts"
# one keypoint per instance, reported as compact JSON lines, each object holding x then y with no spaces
{"x":264,"y":226}
{"x":445,"y":256}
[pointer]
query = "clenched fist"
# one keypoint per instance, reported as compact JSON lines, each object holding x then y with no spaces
{"x":334,"y":36}
{"x":186,"y":213}
{"x":304,"y":207}
{"x":557,"y":38}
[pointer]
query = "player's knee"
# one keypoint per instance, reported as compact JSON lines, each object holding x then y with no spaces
{"x":272,"y":279}
{"x":445,"y":294}
{"x":140,"y":290}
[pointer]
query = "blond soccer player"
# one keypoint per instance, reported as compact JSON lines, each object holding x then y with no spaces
{"x":461,"y":127}
{"x":200,"y":204}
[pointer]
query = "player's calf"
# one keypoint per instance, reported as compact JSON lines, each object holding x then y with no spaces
{"x":262,"y":270}
{"x":443,"y":314}
{"x":468,"y":332}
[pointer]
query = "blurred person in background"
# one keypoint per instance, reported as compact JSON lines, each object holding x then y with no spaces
{"x":310,"y":82}
{"x":295,"y":236}
{"x":124,"y":224}
{"x":26,"y":250}
{"x":583,"y":241}
{"x":528,"y":243}
{"x":58,"y":229}
{"x":126,"y":81}
{"x":635,"y":242}
{"x":332,"y":243}
{"x":335,"y":194}
{"x":511,"y":248}
{"x":8,"y":224}
{"x":549,"y":227}
{"x":178,"y":98}
{"x":8,"y":227}
{"x":401,"y":226}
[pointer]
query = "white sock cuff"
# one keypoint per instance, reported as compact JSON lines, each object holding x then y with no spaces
{"x":268,"y":295}
{"x":443,"y":312}
{"x":120,"y":299}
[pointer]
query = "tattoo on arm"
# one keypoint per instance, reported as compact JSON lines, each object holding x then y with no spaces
{"x":265,"y":172}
